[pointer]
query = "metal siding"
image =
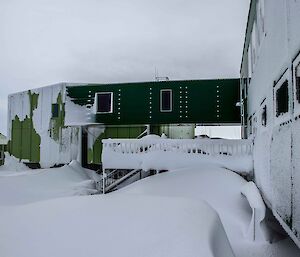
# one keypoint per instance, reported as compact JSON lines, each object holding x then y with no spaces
{"x":134,"y":102}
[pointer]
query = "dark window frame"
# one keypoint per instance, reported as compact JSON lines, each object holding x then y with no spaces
{"x":297,"y":83}
{"x":170,"y":109}
{"x":282,"y":99}
{"x":264,"y":118}
{"x":55,"y":110}
{"x":110,"y":110}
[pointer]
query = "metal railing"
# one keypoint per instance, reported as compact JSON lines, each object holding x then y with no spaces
{"x":130,"y":152}
{"x":111,"y":179}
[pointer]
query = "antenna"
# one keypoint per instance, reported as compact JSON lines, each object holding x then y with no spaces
{"x":158,"y":78}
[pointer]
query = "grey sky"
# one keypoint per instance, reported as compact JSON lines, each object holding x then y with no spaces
{"x":48,"y":41}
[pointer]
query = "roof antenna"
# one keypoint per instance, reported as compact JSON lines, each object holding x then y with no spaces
{"x":158,"y":78}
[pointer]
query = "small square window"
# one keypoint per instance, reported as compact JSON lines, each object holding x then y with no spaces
{"x":104,"y":102}
{"x":166,"y":100}
{"x":55,"y":110}
{"x":282,"y":99}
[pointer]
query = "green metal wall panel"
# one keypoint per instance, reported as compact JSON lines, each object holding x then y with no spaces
{"x":25,"y":142}
{"x":197,"y":101}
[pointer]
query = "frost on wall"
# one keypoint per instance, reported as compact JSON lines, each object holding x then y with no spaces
{"x":296,"y":177}
{"x":261,"y":156}
{"x":24,"y":141}
{"x":57,"y":122}
{"x":35,"y":134}
{"x":59,"y":144}
{"x":77,"y":115}
{"x":281,"y":175}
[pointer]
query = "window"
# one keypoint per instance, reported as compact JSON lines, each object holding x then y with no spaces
{"x":250,"y":125}
{"x":282,"y":99}
{"x":298,"y":83}
{"x":296,"y":86}
{"x":166,"y":100}
{"x":55,"y":110}
{"x":264,"y":116}
{"x":104,"y":102}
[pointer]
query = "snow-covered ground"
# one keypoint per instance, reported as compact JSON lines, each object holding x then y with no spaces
{"x":51,"y":213}
{"x":26,"y":186}
{"x":221,"y":188}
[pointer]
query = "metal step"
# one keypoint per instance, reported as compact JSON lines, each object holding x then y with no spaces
{"x":117,"y":182}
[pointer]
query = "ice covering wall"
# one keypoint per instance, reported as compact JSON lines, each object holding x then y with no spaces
{"x":270,"y":59}
{"x":54,"y":142}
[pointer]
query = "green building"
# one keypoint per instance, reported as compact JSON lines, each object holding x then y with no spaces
{"x":55,"y":124}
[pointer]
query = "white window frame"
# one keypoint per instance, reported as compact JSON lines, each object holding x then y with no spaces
{"x":171,"y":100}
{"x":296,"y":104}
{"x":111,"y":102}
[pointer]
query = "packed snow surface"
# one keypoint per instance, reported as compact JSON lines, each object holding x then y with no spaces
{"x":44,"y":213}
{"x":113,"y":225}
{"x":20,"y":187}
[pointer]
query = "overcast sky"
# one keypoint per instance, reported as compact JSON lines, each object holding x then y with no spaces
{"x":48,"y":41}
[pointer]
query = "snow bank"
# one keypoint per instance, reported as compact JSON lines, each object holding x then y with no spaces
{"x":111,"y":226}
{"x":257,"y":230}
{"x":222,"y":190}
{"x":37,"y":185}
{"x":11,"y":163}
{"x":162,"y":215}
{"x":160,"y":160}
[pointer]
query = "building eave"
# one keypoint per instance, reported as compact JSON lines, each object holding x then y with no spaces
{"x":250,"y":20}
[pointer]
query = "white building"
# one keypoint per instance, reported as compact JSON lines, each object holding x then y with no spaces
{"x":270,"y":92}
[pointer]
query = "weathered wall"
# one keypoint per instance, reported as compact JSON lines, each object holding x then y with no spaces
{"x":96,"y":134}
{"x":34,"y":135}
{"x":276,"y":145}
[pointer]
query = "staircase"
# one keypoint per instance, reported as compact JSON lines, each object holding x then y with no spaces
{"x":111,"y":180}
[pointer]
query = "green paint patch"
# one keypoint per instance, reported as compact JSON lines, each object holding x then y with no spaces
{"x":58,"y":118}
{"x":25,"y":141}
{"x":94,"y":153}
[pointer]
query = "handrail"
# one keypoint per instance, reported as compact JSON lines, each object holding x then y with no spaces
{"x":199,"y":146}
{"x":130,"y":153}
{"x":119,"y":181}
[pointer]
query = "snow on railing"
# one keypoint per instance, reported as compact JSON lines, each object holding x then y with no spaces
{"x":129,"y":153}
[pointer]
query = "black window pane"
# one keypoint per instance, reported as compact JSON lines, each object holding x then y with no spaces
{"x":104,"y":102}
{"x":264,"y":116}
{"x":297,"y":71}
{"x":55,"y":110}
{"x":282,"y":97}
{"x":298,"y":88}
{"x":166,"y":100}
